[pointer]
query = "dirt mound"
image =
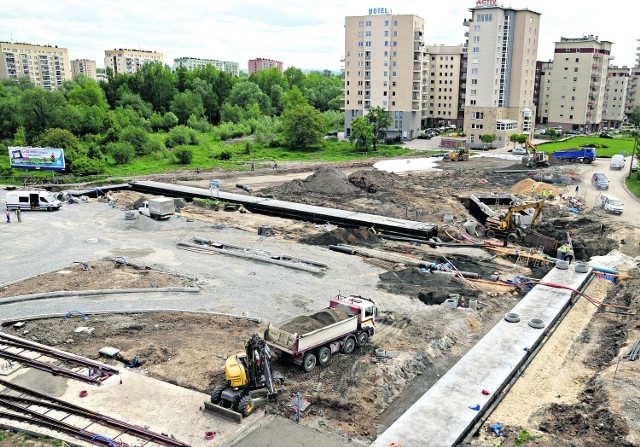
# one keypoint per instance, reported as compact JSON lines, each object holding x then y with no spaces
{"x":430,"y":288}
{"x":343,"y":236}
{"x":373,"y":180}
{"x":524,"y":187}
{"x":324,"y":181}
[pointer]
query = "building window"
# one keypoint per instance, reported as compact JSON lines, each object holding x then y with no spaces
{"x":368,"y":23}
{"x":393,"y":74}
{"x":395,"y":53}
{"x":395,"y":34}
{"x":360,"y":23}
{"x":386,"y":33}
{"x":367,"y":43}
{"x":575,"y":70}
{"x":386,"y":23}
{"x":395,"y":63}
{"x":477,"y":115}
{"x":368,"y":34}
{"x":484,"y":18}
{"x":474,"y":71}
{"x":475,"y":27}
{"x":474,"y":82}
{"x":360,"y":34}
{"x":476,"y":39}
{"x":476,"y":49}
{"x":385,"y":73}
{"x":386,"y":43}
{"x":360,"y":44}
{"x":473,"y":92}
{"x":474,"y":60}
{"x":384,"y":103}
{"x":360,"y":53}
{"x":472,"y":102}
{"x":395,"y":44}
{"x":395,"y":23}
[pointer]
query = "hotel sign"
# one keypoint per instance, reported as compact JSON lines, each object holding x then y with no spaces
{"x":480,"y":3}
{"x":380,"y":11}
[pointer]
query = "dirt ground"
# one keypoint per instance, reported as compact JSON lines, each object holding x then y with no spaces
{"x":589,"y":408}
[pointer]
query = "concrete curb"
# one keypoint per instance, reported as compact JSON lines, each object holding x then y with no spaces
{"x":67,"y":293}
{"x":133,"y":311}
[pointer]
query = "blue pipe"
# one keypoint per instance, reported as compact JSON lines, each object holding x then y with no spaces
{"x":84,"y":318}
{"x":134,"y":364}
{"x":604,"y":270}
{"x":104,"y":438}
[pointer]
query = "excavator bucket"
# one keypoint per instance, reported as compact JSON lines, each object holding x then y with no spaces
{"x":226,"y":413}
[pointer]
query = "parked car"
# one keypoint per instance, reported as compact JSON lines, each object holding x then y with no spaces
{"x":600,"y":181}
{"x":543,"y":132}
{"x":333,"y":133}
{"x":617,"y":161}
{"x":605,"y":135}
{"x":425,"y":136}
{"x":634,"y":164}
{"x":519,"y":151}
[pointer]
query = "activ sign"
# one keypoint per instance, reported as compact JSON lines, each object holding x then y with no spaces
{"x":379,"y":11}
{"x":42,"y":158}
{"x":486,"y":2}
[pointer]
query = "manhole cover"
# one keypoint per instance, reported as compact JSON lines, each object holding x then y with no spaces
{"x":92,"y":240}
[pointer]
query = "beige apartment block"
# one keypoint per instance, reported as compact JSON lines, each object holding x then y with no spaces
{"x":129,"y":61}
{"x":86,"y":67}
{"x":615,"y":94}
{"x":193,"y":63}
{"x":47,"y":66}
{"x":501,"y":68}
{"x":578,"y":83}
{"x":384,"y":66}
{"x":544,"y":92}
{"x":633,"y":93}
{"x":446,"y":77}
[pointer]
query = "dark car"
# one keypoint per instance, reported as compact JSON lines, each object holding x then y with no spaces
{"x":333,"y":133}
{"x":425,"y":136}
{"x":605,"y":135}
{"x":600,"y":181}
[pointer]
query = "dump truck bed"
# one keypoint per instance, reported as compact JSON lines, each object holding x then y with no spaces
{"x":311,"y":330}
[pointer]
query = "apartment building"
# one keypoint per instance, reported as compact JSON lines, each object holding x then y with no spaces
{"x":385,"y":66}
{"x":258,"y":64}
{"x":501,"y":67}
{"x":447,"y":74}
{"x":86,"y":67}
{"x":542,"y":90}
{"x":192,"y":63}
{"x":47,"y":66}
{"x":578,"y":83}
{"x":632,"y":99}
{"x":129,"y":61}
{"x":615,"y":94}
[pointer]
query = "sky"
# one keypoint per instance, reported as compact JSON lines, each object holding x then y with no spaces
{"x":301,"y":33}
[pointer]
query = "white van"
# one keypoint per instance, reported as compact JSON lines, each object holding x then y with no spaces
{"x":32,"y":200}
{"x":617,"y":161}
{"x":610,"y":204}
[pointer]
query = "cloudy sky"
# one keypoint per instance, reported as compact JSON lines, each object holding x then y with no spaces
{"x":302,"y":33}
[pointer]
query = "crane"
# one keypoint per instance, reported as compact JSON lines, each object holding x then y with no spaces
{"x":509,"y":223}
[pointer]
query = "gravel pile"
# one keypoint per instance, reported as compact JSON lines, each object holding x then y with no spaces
{"x":324,"y":181}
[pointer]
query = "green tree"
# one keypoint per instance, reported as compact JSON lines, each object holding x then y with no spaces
{"x":169,"y":120}
{"x":20,"y":138}
{"x":209,"y":98}
{"x":40,"y":109}
{"x":185,"y":104}
{"x":136,"y":137}
{"x":514,"y":139}
{"x":121,"y":152}
{"x":134,"y":101}
{"x":488,"y":138}
{"x":361,"y":134}
{"x":294,"y":77}
{"x":293,"y":98}
{"x":552,"y":132}
{"x":157,"y":85}
{"x":635,"y":117}
{"x":184,"y":155}
{"x":63,"y":139}
{"x":245,"y":94}
{"x":381,"y":120}
{"x":231,"y":113}
{"x":303,"y":127}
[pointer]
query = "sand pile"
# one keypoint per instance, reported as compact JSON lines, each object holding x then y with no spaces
{"x":324,"y":181}
{"x":523,"y":187}
{"x":373,"y":180}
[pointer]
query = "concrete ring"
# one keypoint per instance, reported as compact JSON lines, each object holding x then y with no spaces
{"x":536,"y":323}
{"x":512,"y":317}
{"x":562,"y":265}
{"x":581,"y":268}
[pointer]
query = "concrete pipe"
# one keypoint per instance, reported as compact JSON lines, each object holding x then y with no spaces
{"x":562,"y":265}
{"x":536,"y":323}
{"x":581,"y":268}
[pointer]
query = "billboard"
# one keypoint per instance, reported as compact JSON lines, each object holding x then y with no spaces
{"x":41,"y":158}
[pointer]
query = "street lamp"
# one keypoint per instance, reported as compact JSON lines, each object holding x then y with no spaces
{"x":633,"y":154}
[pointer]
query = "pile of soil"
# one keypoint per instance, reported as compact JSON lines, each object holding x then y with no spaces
{"x":360,"y":237}
{"x":307,"y":323}
{"x":430,"y":288}
{"x":373,"y":180}
{"x":101,"y":274}
{"x":324,"y":181}
{"x":523,"y":187}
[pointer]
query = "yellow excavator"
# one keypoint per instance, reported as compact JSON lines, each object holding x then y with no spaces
{"x":534,"y":158}
{"x":249,"y":382}
{"x":458,"y":154}
{"x":508,"y":225}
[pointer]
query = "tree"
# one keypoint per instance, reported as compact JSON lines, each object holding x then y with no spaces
{"x":169,"y":120}
{"x":488,"y":138}
{"x":552,"y":132}
{"x":635,"y":117}
{"x":245,"y":94}
{"x":293,"y":98}
{"x":135,"y":136}
{"x":361,"y":134}
{"x":20,"y":138}
{"x":184,"y":155}
{"x":381,"y":120}
{"x":157,"y":85}
{"x":41,"y":109}
{"x":514,"y":139}
{"x":121,"y":152}
{"x":134,"y":101}
{"x":303,"y":127}
{"x":294,"y":77}
{"x":185,"y":104}
{"x":64,"y":139}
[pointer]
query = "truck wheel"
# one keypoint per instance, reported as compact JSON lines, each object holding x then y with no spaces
{"x":246,"y":407}
{"x":324,"y":355}
{"x":308,"y":362}
{"x":587,"y":161}
{"x":216,"y":394}
{"x":512,"y":237}
{"x":362,"y":338}
{"x":490,"y":233}
{"x":348,"y":345}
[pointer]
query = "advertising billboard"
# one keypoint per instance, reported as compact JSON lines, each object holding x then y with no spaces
{"x":40,"y":158}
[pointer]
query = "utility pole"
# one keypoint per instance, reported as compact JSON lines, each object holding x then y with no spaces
{"x":633,"y":154}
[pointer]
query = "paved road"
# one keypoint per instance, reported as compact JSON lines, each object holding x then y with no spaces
{"x":616,"y":181}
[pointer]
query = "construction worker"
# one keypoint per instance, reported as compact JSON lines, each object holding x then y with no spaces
{"x":563,"y":251}
{"x":544,"y":194}
{"x":533,"y":191}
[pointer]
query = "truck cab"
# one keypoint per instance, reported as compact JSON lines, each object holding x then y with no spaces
{"x":364,"y":308}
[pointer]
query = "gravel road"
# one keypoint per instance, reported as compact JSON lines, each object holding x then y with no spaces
{"x":48,"y":241}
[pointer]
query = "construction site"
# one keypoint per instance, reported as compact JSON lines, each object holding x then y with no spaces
{"x":481,"y":303}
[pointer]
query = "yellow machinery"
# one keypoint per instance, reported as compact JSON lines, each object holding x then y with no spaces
{"x":508,"y":225}
{"x":249,"y":382}
{"x":534,"y":158}
{"x":458,"y":154}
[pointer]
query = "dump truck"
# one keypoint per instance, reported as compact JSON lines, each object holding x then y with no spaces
{"x":582,"y":155}
{"x":312,"y":339}
{"x":158,"y":208}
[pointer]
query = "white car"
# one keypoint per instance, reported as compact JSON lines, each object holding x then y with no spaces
{"x":519,"y":151}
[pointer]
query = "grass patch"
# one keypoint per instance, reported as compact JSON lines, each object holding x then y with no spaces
{"x":633,"y":184}
{"x":614,"y":145}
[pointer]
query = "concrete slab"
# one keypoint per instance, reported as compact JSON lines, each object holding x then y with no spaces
{"x":443,"y":414}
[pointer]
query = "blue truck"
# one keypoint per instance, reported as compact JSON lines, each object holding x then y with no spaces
{"x":582,"y":155}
